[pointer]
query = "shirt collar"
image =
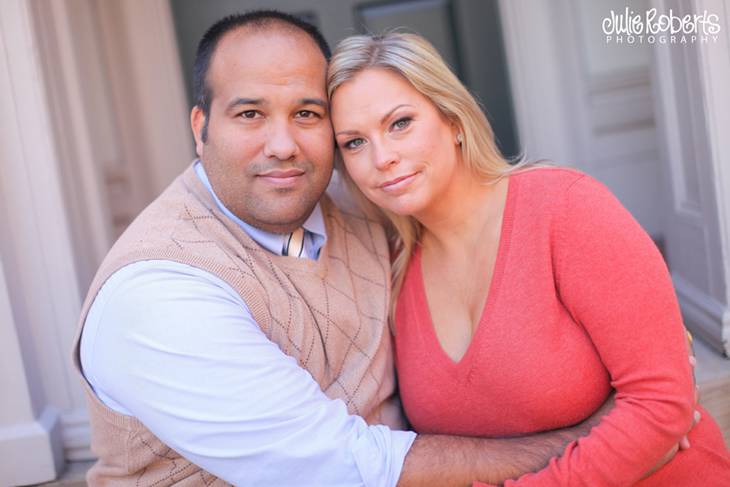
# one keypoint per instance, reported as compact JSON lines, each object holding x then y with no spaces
{"x":315,"y":235}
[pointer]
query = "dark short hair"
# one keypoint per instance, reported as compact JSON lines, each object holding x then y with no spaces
{"x":202,"y":92}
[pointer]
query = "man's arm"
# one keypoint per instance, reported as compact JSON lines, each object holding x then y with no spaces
{"x":447,"y":461}
{"x":177,"y":348}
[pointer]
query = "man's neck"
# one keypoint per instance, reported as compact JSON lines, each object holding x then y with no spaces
{"x":266,"y":238}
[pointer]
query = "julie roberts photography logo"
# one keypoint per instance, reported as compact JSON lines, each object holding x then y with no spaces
{"x":652,"y":27}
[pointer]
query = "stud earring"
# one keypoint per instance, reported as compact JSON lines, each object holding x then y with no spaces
{"x":459,"y":138}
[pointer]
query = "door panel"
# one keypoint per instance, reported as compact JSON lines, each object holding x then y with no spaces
{"x":433,"y":19}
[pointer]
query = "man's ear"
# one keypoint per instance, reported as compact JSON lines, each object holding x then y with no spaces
{"x":197,"y":123}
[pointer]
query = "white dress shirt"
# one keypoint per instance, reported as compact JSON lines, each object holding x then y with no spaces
{"x":177,"y":348}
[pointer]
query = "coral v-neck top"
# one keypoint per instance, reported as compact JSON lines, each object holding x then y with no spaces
{"x":580,"y":303}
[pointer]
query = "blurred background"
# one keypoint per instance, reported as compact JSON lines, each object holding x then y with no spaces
{"x":94,"y":123}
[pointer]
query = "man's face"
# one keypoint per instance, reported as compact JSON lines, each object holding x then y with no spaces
{"x":269,"y":148}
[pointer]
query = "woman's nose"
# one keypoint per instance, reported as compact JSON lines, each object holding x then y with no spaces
{"x":384,"y":156}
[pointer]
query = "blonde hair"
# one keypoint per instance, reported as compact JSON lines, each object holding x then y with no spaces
{"x":416,"y":60}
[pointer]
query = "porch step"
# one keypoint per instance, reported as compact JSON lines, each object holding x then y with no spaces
{"x":713,"y":379}
{"x":73,"y":476}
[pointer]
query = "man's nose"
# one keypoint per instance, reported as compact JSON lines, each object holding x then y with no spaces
{"x":280,"y":142}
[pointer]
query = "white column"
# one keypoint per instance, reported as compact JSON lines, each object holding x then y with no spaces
{"x":155,"y":71}
{"x":693,"y":102}
{"x":30,"y":436}
{"x":49,"y":195}
{"x":92,"y":126}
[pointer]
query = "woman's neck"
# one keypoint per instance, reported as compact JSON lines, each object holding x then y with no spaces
{"x":458,"y":221}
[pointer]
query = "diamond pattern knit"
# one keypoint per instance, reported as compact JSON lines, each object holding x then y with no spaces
{"x":329,"y":314}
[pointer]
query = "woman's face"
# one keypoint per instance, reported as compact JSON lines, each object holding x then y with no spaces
{"x":397,"y":146}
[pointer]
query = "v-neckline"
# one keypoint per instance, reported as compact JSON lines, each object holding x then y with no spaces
{"x":428,"y":336}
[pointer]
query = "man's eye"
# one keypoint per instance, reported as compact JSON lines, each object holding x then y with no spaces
{"x":402,"y":123}
{"x":249,"y":114}
{"x":306,"y":114}
{"x":353,"y":144}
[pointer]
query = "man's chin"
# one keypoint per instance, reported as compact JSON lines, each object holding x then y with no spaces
{"x":283,"y":221}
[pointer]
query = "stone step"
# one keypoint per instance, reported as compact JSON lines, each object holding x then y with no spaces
{"x":713,"y":379}
{"x":73,"y":476}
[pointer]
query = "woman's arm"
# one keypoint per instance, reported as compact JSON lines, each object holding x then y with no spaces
{"x":613,"y":281}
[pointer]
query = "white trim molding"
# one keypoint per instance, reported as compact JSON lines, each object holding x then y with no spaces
{"x":708,"y":317}
{"x":692,"y":100}
{"x":715,"y":64}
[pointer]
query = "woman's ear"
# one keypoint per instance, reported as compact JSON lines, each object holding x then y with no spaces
{"x":458,"y":133}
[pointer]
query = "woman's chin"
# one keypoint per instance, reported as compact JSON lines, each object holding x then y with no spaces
{"x":401,"y":205}
{"x":402,"y":209}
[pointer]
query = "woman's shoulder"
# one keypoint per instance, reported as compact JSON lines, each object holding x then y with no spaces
{"x":548,"y":174}
{"x":542,"y":183}
{"x":570,"y":198}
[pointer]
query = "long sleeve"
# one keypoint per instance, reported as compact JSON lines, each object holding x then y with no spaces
{"x":177,"y":348}
{"x":613,"y":282}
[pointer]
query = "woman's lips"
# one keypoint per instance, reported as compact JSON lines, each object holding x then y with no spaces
{"x":398,"y":184}
{"x":282,"y":178}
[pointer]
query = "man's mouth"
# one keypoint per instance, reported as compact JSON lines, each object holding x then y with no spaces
{"x":282,"y":178}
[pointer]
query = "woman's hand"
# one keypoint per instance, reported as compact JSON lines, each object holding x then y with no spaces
{"x":684,"y":442}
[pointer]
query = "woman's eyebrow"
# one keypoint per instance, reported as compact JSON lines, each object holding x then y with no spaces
{"x":385,"y":117}
{"x":382,"y":120}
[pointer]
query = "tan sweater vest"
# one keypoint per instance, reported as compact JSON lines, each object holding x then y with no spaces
{"x":329,"y":314}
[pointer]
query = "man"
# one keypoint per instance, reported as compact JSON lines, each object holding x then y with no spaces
{"x":236,"y":333}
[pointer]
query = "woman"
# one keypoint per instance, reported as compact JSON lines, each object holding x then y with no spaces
{"x":523,"y":295}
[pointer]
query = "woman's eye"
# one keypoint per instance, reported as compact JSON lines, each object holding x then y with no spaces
{"x":353,"y":144}
{"x":402,"y":123}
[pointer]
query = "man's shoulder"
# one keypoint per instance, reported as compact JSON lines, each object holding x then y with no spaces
{"x":347,"y":223}
{"x":341,"y":196}
{"x":178,"y":227}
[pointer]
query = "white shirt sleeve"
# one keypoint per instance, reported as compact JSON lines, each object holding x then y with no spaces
{"x":178,"y":349}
